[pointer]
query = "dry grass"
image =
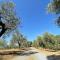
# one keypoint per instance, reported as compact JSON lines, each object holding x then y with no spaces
{"x":7,"y":54}
{"x":6,"y":57}
{"x":48,"y":52}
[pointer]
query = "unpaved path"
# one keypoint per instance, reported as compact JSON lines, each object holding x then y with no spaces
{"x":31,"y":54}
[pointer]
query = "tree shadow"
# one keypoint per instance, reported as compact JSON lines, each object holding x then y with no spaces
{"x":26,"y":53}
{"x":54,"y":57}
{"x":18,"y":53}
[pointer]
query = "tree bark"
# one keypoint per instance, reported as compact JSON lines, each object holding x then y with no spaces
{"x":3,"y":28}
{"x":19,"y":44}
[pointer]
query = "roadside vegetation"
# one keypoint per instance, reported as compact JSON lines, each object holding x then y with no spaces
{"x":48,"y":41}
{"x":17,"y":41}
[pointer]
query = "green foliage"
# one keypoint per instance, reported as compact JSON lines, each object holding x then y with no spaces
{"x":54,"y":7}
{"x":8,"y":14}
{"x":29,"y":43}
{"x":3,"y":43}
{"x":18,"y":40}
{"x":48,"y":40}
{"x":35,"y":44}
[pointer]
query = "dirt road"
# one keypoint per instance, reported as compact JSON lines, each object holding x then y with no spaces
{"x":31,"y":54}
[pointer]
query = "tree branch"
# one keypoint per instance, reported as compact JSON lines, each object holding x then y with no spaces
{"x":3,"y":28}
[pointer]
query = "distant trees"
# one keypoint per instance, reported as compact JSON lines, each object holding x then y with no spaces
{"x":29,"y":43}
{"x":57,"y":42}
{"x":3,"y":43}
{"x":47,"y":40}
{"x":39,"y":42}
{"x":34,"y":44}
{"x":18,"y":40}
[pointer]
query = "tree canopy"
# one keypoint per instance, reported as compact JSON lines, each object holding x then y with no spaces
{"x":54,"y":7}
{"x":47,"y":40}
{"x":8,"y":18}
{"x":19,"y":40}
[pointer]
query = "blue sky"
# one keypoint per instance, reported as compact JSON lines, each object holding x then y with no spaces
{"x":35,"y":19}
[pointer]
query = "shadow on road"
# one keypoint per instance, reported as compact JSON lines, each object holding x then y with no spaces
{"x":20,"y":53}
{"x":26,"y":53}
{"x":54,"y":57}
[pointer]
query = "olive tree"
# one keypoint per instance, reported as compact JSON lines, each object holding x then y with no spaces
{"x":8,"y":18}
{"x":18,"y":40}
